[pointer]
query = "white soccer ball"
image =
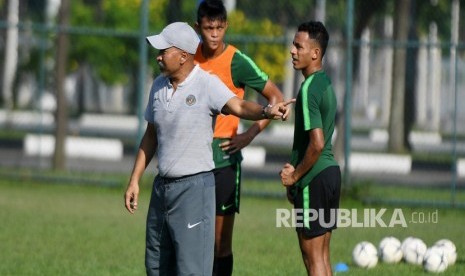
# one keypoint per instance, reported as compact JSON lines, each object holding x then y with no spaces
{"x":435,"y":260}
{"x":449,"y":248}
{"x":390,"y":250}
{"x":413,"y":251}
{"x":365,"y":255}
{"x":406,"y":241}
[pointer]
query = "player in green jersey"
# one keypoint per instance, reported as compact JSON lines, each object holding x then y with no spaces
{"x":313,"y":177}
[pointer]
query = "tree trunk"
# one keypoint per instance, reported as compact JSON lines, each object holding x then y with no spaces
{"x":174,"y":11}
{"x":61,"y":116}
{"x":411,"y":72}
{"x":396,"y":122}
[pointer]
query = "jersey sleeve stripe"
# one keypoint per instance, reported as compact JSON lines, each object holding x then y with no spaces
{"x":305,"y":106}
{"x":259,"y":72}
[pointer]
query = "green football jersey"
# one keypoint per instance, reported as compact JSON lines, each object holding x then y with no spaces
{"x":315,"y":107}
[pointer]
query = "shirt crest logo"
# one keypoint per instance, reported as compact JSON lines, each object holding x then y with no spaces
{"x":190,"y":100}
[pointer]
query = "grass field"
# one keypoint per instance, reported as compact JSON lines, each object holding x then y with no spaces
{"x":58,"y":229}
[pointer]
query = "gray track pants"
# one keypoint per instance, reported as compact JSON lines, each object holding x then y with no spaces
{"x":181,"y":226}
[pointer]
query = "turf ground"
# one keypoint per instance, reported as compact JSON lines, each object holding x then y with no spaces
{"x":58,"y":229}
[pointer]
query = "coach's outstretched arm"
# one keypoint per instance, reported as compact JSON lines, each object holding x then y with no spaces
{"x":252,"y":111}
{"x":145,"y":154}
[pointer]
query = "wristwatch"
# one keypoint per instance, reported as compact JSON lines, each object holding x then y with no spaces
{"x":264,"y":111}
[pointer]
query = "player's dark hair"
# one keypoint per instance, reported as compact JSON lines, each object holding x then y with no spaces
{"x":317,"y":31}
{"x":212,"y":9}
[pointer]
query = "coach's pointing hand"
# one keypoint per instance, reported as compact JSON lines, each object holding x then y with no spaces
{"x":279,"y":111}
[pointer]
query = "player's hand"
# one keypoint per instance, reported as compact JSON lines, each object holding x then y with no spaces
{"x":131,"y":197}
{"x":236,"y":143}
{"x":287,"y":175}
{"x":279,"y":111}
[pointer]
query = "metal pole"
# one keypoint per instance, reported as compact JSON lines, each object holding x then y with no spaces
{"x":320,"y":13}
{"x":348,"y":90}
{"x":455,"y":9}
{"x":10,"y":62}
{"x":142,"y":69}
{"x":43,"y":34}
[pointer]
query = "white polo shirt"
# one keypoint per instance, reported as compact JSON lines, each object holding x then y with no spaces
{"x":184,"y":121}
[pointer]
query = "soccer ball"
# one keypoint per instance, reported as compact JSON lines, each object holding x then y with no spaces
{"x":449,"y":249}
{"x":414,"y":250}
{"x":365,"y":255}
{"x":406,"y":241}
{"x":435,"y":260}
{"x":390,"y":250}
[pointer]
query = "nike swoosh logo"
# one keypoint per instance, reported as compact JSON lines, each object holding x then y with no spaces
{"x":189,"y":225}
{"x":226,"y":207}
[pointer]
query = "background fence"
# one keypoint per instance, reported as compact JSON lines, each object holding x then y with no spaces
{"x":398,"y":68}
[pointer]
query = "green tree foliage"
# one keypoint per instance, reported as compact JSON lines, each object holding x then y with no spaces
{"x":372,"y":13}
{"x":335,"y":16}
{"x":283,"y":12}
{"x":270,"y":56}
{"x":113,"y":58}
{"x":440,"y":13}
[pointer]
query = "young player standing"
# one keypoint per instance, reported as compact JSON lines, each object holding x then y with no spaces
{"x":313,"y":177}
{"x":237,"y":71}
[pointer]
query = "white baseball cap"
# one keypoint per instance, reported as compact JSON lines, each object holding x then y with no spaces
{"x":177,"y":34}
